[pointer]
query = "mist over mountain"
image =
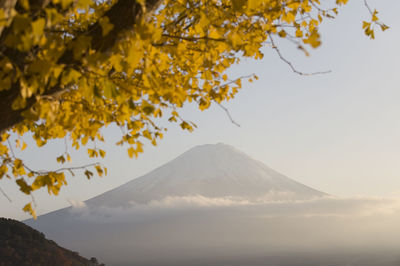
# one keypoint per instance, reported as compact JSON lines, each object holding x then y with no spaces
{"x":216,"y":206}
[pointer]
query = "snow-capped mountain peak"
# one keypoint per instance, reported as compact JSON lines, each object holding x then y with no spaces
{"x":217,"y":170}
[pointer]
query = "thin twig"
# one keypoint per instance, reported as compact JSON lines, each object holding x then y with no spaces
{"x":33,"y":200}
{"x":5,"y":195}
{"x":368,"y":7}
{"x":291,"y":65}
{"x":65,"y":145}
{"x":75,"y":168}
{"x":228,"y":114}
{"x":372,"y":13}
{"x":192,"y":39}
{"x":235,"y":80}
{"x":11,"y":148}
{"x":39,"y":172}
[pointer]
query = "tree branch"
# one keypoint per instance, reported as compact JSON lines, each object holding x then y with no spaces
{"x":124,"y":15}
{"x":228,"y":114}
{"x":5,"y":195}
{"x":291,"y":65}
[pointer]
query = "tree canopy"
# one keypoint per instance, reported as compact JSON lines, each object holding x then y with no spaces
{"x":69,"y":68}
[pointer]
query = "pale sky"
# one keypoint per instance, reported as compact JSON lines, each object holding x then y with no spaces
{"x":338,"y":132}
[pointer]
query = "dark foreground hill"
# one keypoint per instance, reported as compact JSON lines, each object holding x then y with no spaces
{"x":22,"y":245}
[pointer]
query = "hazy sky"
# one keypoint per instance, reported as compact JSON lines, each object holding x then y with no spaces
{"x":338,"y":132}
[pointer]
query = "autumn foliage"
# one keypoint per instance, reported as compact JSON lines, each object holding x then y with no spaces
{"x":69,"y":68}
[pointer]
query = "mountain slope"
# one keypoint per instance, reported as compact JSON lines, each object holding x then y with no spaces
{"x":210,"y":171}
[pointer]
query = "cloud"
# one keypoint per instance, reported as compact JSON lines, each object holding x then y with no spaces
{"x":196,"y":226}
{"x":323,"y":206}
{"x":77,"y":206}
{"x":354,"y":207}
{"x":198,"y":201}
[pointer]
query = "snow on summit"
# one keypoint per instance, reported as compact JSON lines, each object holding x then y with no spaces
{"x":215,"y":171}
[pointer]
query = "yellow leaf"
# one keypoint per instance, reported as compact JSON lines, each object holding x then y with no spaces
{"x":299,"y":33}
{"x":3,"y":170}
{"x":61,"y":159}
{"x":65,"y":3}
{"x":282,"y":34}
{"x":131,"y":152}
{"x":70,"y":76}
{"x":88,"y":174}
{"x":366,"y":24}
{"x":84,"y":3}
{"x":238,"y":5}
{"x":99,"y":170}
{"x":23,"y":186}
{"x":24,"y":4}
{"x":106,"y":26}
{"x":28,"y":208}
{"x":254,"y":4}
{"x":24,"y":145}
{"x":92,"y":153}
{"x":38,"y":27}
{"x":341,"y":2}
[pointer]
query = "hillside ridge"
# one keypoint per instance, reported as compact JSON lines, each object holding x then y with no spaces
{"x":22,"y":245}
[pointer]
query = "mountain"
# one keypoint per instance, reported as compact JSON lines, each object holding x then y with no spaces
{"x":211,"y":171}
{"x":22,"y":245}
{"x":212,"y":202}
{"x":216,"y":206}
